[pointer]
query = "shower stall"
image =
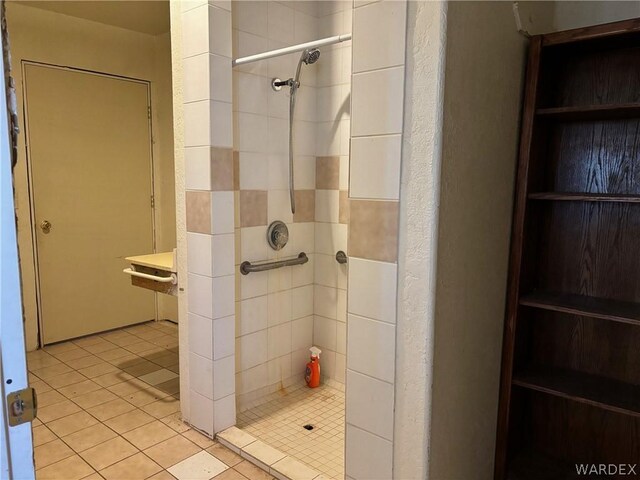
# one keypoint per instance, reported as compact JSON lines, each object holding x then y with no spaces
{"x":291,"y":113}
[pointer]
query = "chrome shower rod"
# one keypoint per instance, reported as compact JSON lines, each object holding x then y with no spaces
{"x":292,"y":49}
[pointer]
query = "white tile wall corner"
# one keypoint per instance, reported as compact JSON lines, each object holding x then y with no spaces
{"x":252,"y":315}
{"x":368,"y":456}
{"x":372,"y":289}
{"x":377,"y":102}
{"x":327,"y":206}
{"x":373,"y":416}
{"x":379,"y":35}
{"x":371,"y":347}
{"x":208,"y":122}
{"x":375,"y":167}
{"x":201,"y":335}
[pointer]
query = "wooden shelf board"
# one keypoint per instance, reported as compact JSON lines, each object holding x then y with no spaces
{"x":532,"y":465}
{"x":601,"y":392}
{"x":585,"y":197}
{"x":592,"y":112}
{"x":613,"y":310}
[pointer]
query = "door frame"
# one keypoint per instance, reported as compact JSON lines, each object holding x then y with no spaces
{"x":29,"y":169}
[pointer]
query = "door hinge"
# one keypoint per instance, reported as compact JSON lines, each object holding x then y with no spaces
{"x":22,"y":406}
{"x":153,"y":202}
{"x":149,"y":112}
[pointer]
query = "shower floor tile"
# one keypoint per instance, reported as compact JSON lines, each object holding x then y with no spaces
{"x":280,"y":424}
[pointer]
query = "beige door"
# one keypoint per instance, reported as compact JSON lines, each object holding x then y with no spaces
{"x":90,"y":159}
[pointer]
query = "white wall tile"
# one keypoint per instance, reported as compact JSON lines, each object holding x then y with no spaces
{"x":253,"y":133}
{"x":251,"y":17}
{"x":278,"y":174}
{"x":329,"y":238}
{"x":199,"y":295}
{"x":251,"y":350}
{"x":305,"y":27}
{"x":224,"y":413}
{"x":222,"y":212}
{"x":254,"y":247}
{"x":299,"y":359}
{"x":379,"y":32}
{"x":326,"y":270}
{"x":196,"y":83}
{"x":324,"y":302}
{"x":223,"y":296}
{"x":221,"y":124}
{"x":302,"y":301}
{"x":253,"y":315}
{"x":280,"y":279}
{"x":280,"y":22}
{"x":279,"y":206}
{"x":377,"y":102}
{"x":201,"y":375}
{"x":224,"y":377}
{"x":328,"y":364}
{"x":199,"y":254}
{"x":302,"y":237}
{"x":369,"y":404}
{"x":341,"y":306}
{"x":341,"y":368}
{"x":201,"y":409}
{"x":341,"y":338}
{"x":252,"y":93}
{"x":254,"y":171}
{"x":197,"y":168}
{"x":372,"y":289}
{"x":252,"y":285}
{"x":278,"y":340}
{"x":252,"y":379}
{"x":279,"y":369}
{"x":302,"y":333}
{"x":305,"y":167}
{"x":197,"y":123}
{"x":220,"y":76}
{"x":249,"y":44}
{"x":224,"y":333}
{"x":324,"y":332}
{"x":327,"y":206}
{"x":279,"y":307}
{"x":195,"y":31}
{"x":223,"y":247}
{"x":220,"y":31}
{"x":368,"y":456}
{"x":371,"y":347}
{"x":375,"y":167}
{"x":200,"y":336}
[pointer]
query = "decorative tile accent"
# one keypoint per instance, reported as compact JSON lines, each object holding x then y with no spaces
{"x":236,"y":170}
{"x":305,"y":206}
{"x":222,"y":177}
{"x":198,"y":210}
{"x":328,"y":173}
{"x":373,"y":230}
{"x":253,"y":208}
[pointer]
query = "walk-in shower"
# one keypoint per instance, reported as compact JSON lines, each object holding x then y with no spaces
{"x":308,"y":57}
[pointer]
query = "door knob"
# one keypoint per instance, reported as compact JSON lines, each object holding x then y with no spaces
{"x":45,"y":226}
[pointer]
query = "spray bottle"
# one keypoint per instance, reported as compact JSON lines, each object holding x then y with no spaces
{"x":312,"y":375}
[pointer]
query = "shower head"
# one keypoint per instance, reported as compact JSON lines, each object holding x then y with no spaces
{"x":310,"y":56}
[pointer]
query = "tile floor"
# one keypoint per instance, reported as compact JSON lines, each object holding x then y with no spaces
{"x":109,"y":408}
{"x":279,"y":423}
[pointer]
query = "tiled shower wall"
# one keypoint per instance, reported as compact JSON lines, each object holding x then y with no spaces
{"x":274,"y":310}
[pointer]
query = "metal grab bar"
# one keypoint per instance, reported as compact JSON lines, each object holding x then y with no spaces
{"x":247,"y":267}
{"x":172,"y":279}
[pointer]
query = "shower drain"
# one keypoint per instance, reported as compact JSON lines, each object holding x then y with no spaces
{"x":308,"y":426}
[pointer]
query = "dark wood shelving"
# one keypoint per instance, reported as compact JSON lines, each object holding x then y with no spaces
{"x":585,"y":197}
{"x":592,"y":112}
{"x":614,"y":310}
{"x":593,"y":390}
{"x":533,"y":465}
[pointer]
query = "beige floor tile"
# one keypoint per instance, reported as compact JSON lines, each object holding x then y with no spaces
{"x":166,"y":359}
{"x":70,"y":356}
{"x":145,"y":397}
{"x":252,"y":472}
{"x":85,"y":362}
{"x":142,"y":368}
{"x":90,"y":340}
{"x":136,"y":467}
{"x":171,"y":387}
{"x":125,"y":340}
{"x":164,"y":475}
{"x":175,"y":422}
{"x":60,"y":347}
{"x":230,"y":474}
{"x":113,"y":354}
{"x":49,"y":398}
{"x":128,"y":387}
{"x":65,"y":379}
{"x":162,"y":408}
{"x":201,"y":466}
{"x":89,"y":437}
{"x":140,"y":346}
{"x":94,"y":398}
{"x":198,"y":438}
{"x":51,"y":452}
{"x":52,"y":371}
{"x":80,"y":388}
{"x":223,"y":453}
{"x":58,"y":410}
{"x":70,"y":468}
{"x":112,"y":378}
{"x":159,"y":376}
{"x":174,"y":368}
{"x":172,"y":451}
{"x":108,"y":453}
{"x":93,"y":476}
{"x":128,"y":421}
{"x":40,"y":386}
{"x":71,"y":423}
{"x":42,"y":435}
{"x":97,"y":369}
{"x":98,"y":347}
{"x":43,"y":361}
{"x":148,"y":435}
{"x":110,"y":409}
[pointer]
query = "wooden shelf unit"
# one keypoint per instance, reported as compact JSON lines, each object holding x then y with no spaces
{"x":570,"y":381}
